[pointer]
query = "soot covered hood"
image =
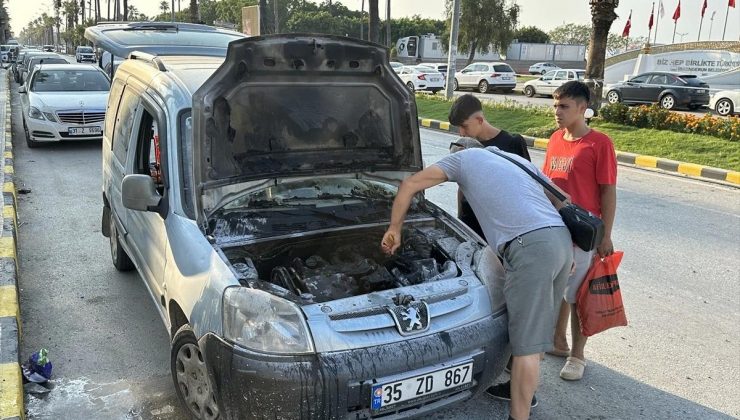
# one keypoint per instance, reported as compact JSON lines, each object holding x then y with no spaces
{"x":302,"y":105}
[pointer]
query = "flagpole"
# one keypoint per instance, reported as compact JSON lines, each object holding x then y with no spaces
{"x":726,"y":15}
{"x":657,"y":19}
{"x":711,"y":25}
{"x":650,"y":27}
{"x":675,"y":22}
{"x":701,"y":22}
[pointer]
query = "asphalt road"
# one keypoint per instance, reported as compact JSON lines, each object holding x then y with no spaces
{"x":677,"y":359}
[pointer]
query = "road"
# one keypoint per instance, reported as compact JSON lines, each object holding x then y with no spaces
{"x":677,"y":359}
{"x":539,"y":100}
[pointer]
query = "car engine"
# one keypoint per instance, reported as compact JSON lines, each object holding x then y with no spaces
{"x":339,"y":265}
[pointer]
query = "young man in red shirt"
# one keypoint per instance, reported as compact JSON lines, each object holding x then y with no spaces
{"x":582,"y":162}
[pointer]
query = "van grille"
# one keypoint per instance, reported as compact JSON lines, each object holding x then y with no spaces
{"x":83,"y":117}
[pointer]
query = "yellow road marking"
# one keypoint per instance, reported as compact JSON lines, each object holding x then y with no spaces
{"x":541,"y":143}
{"x":444,"y":125}
{"x":9,"y":169}
{"x":11,"y":391}
{"x":647,"y":161}
{"x":8,"y":155}
{"x":733,"y":177}
{"x":690,"y":169}
{"x":9,"y":212}
{"x":8,"y":301}
{"x":426,"y":123}
{"x":9,"y":187}
{"x":7,"y":247}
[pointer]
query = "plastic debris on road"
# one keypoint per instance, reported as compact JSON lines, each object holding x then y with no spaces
{"x":38,"y":367}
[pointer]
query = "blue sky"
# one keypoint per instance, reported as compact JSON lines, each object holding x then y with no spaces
{"x":545,"y":14}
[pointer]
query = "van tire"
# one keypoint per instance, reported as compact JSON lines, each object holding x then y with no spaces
{"x":189,"y":371}
{"x":120,"y":258}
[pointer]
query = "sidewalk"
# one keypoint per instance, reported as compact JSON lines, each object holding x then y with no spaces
{"x":11,"y":384}
{"x":708,"y":173}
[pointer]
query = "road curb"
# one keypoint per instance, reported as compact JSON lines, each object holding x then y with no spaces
{"x":642,"y":161}
{"x":11,"y":382}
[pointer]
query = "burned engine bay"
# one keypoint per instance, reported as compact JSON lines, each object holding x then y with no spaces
{"x":329,"y":266}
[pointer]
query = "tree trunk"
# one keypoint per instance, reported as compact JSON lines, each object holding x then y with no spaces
{"x":194,"y":11}
{"x":125,"y":10}
{"x":97,"y":11}
{"x":373,"y":31}
{"x":263,"y":17}
{"x":82,"y":10}
{"x":108,"y":9}
{"x":471,"y":56}
{"x":602,"y":16}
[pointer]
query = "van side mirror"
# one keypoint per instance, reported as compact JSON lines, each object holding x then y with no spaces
{"x":21,"y":89}
{"x":139,"y":193}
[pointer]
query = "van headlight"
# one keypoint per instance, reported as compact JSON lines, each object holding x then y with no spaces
{"x":34,"y":113}
{"x":259,"y":321}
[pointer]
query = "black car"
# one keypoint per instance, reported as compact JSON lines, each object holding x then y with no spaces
{"x":670,"y":90}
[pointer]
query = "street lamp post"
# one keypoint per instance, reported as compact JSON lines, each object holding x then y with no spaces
{"x":452,"y":52}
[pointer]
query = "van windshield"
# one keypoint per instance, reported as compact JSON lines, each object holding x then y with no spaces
{"x":84,"y":50}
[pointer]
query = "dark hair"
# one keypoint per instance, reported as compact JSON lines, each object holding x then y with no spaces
{"x":574,"y":89}
{"x":463,"y":107}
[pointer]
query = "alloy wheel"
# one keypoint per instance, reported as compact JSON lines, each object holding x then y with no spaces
{"x":529,"y":91}
{"x":668,"y":101}
{"x":410,"y":86}
{"x":723,"y":107}
{"x":612,"y":97}
{"x":483,"y":86}
{"x":192,"y":378}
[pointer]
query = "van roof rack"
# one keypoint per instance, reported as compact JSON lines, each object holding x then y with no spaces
{"x":152,"y":59}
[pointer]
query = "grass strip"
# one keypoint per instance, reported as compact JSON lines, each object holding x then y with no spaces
{"x":690,"y":148}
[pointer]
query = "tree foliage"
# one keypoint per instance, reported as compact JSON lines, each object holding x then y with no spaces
{"x":484,"y":24}
{"x":531,"y":34}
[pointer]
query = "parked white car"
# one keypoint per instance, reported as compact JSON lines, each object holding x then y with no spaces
{"x":396,"y":66}
{"x":440,"y":67}
{"x":547,"y":84}
{"x":64,"y":102}
{"x":725,"y":102}
{"x":542,"y":68}
{"x":486,"y":77}
{"x":422,"y":78}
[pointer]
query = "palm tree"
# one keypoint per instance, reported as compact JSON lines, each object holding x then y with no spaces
{"x":602,"y":16}
{"x":194,"y":11}
{"x":164,"y":6}
{"x":125,"y":10}
{"x":373,"y":31}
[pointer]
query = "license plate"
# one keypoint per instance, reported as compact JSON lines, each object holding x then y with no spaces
{"x":700,"y":91}
{"x":433,"y":79}
{"x":388,"y":394}
{"x":506,"y":78}
{"x":83,"y":131}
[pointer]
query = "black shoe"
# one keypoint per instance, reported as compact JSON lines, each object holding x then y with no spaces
{"x":502,"y":392}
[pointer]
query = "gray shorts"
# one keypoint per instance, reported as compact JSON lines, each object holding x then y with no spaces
{"x":583,"y":260}
{"x":537,"y":266}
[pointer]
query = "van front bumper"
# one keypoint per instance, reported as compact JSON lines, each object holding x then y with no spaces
{"x":337,"y":385}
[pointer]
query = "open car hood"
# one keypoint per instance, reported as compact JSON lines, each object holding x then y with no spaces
{"x":301,"y":105}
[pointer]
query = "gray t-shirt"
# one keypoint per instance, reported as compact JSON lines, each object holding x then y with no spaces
{"x":506,"y":200}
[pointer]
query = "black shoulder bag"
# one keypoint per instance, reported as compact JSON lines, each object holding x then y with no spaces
{"x":586,"y":230}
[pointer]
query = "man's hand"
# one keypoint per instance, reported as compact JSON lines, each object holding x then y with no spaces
{"x":606,"y":247}
{"x":391,"y":241}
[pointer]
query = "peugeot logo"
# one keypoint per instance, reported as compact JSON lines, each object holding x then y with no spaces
{"x":410,"y":318}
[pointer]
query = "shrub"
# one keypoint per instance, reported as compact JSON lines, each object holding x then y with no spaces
{"x":653,"y":116}
{"x":543,"y":132}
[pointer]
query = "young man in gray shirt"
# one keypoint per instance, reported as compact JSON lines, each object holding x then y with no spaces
{"x":525,"y":230}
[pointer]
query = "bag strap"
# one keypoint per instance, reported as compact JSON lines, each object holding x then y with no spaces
{"x":537,"y":178}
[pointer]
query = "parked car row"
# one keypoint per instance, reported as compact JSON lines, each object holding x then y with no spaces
{"x":669,"y":90}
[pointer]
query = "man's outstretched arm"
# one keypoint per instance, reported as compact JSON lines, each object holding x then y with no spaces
{"x":429,"y":177}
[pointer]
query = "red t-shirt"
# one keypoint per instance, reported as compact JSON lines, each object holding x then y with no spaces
{"x":580,"y":166}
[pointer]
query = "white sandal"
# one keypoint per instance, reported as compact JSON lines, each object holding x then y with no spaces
{"x":573,"y":369}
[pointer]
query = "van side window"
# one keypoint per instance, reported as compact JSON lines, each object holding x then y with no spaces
{"x":148,"y":156}
{"x":124,"y":124}
{"x":114,"y":98}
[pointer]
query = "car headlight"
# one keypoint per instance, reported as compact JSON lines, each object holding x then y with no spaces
{"x":34,"y":113}
{"x":50,"y":116}
{"x":263,"y":322}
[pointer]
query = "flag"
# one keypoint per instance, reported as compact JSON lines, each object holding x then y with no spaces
{"x":703,"y":8}
{"x":677,"y":13}
{"x":627,"y":26}
{"x":661,"y":10}
{"x":731,"y":3}
{"x":650,"y":24}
